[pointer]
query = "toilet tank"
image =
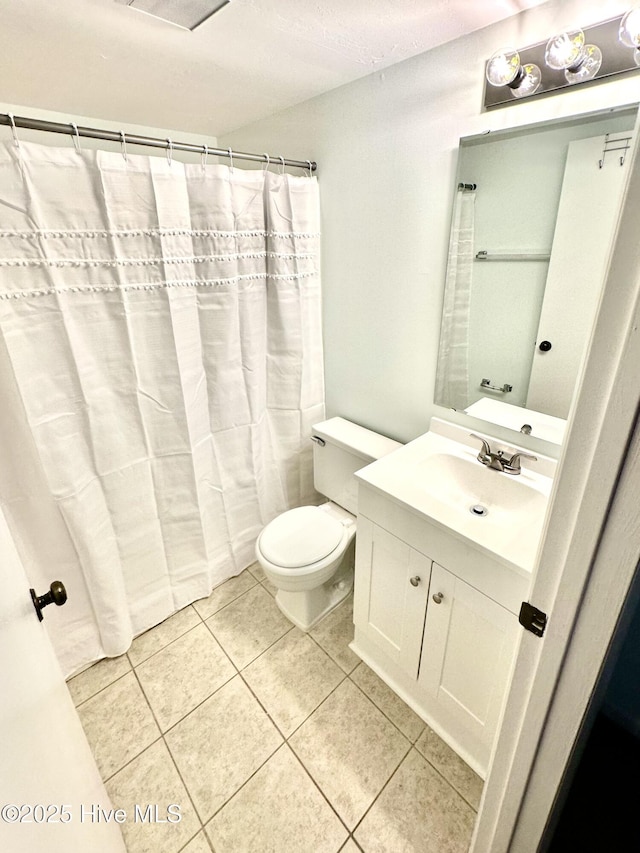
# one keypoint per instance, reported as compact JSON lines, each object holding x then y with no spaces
{"x":343,"y":449}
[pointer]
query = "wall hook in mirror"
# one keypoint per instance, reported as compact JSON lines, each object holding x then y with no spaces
{"x":622,"y":143}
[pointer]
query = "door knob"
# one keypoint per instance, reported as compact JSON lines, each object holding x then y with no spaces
{"x":438,"y":597}
{"x":545,"y":346}
{"x":57,"y":595}
{"x":415,"y":580}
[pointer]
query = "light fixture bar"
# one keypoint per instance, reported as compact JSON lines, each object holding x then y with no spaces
{"x":616,"y":59}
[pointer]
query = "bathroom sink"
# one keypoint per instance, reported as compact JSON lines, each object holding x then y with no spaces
{"x":440,"y":478}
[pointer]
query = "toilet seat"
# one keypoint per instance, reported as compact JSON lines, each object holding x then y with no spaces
{"x":300,"y":537}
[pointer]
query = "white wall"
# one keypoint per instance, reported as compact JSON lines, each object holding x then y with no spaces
{"x":386,"y":147}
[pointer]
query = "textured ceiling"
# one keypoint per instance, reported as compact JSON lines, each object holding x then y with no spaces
{"x":251,"y":59}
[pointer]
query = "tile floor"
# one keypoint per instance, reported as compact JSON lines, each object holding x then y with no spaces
{"x":270,"y":740}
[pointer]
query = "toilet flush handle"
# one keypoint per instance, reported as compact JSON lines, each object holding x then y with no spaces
{"x":318,"y":440}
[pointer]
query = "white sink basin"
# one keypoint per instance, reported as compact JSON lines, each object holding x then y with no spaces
{"x":442,"y":480}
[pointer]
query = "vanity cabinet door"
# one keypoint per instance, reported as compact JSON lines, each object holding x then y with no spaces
{"x":469,"y":643}
{"x":391,"y":587}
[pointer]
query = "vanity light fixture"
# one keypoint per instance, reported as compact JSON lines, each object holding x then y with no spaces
{"x":566,"y":59}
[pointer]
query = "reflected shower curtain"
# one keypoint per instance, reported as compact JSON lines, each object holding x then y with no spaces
{"x":160,"y":370}
{"x":452,"y":377}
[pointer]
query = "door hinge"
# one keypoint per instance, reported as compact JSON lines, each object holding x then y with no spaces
{"x":532,"y":619}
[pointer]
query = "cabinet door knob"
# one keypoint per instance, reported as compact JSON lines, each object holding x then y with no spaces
{"x":438,"y":597}
{"x":415,"y":580}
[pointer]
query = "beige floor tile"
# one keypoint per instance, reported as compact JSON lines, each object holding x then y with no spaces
{"x":198,"y":845}
{"x":292,"y":678}
{"x":221,"y":744}
{"x":389,"y":702}
{"x":225,"y":593}
{"x":418,"y":812}
{"x":351,"y":749}
{"x":183,"y":674}
{"x":118,"y":724}
{"x":279,"y":810}
{"x":335,"y":632}
{"x":271,"y":588}
{"x":166,"y":632}
{"x":96,"y":677}
{"x":257,"y":571}
{"x":466,"y":782}
{"x":152,"y":780}
{"x":248,"y":626}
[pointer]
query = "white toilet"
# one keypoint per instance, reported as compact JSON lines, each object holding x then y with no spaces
{"x":308,"y":552}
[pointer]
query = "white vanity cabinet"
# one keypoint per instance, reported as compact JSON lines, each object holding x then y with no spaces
{"x":441,"y":634}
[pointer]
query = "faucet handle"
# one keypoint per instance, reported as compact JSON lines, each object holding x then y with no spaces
{"x":513,"y":465}
{"x":485,"y":450}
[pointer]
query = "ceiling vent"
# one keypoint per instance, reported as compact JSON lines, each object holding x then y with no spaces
{"x":187,"y":14}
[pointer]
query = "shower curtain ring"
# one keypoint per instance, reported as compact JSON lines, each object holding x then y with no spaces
{"x":310,"y":168}
{"x":14,"y":131}
{"x":203,"y":157}
{"x":76,"y":138}
{"x":230,"y":153}
{"x":282,"y":167}
{"x":267,"y":160}
{"x":123,"y":145}
{"x":169,"y":151}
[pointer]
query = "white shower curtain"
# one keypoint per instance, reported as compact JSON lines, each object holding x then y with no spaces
{"x":160,"y":369}
{"x":452,"y":377}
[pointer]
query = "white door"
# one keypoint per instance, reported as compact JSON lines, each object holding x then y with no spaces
{"x":50,"y":788}
{"x":469,"y":643}
{"x":391,"y":586}
{"x":585,"y":227}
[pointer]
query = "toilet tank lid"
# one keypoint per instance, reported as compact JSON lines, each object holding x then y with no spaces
{"x":357,"y":439}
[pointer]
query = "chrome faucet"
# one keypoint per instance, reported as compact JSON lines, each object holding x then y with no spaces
{"x":498,"y":461}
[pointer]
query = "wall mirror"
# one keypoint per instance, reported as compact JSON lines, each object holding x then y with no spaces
{"x":534,"y":217}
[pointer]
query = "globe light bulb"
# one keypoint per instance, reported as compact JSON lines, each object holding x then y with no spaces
{"x":504,"y":69}
{"x":532,"y":77}
{"x":589,"y":65}
{"x":629,"y":32}
{"x":565,"y":50}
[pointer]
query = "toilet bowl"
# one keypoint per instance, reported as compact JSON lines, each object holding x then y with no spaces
{"x":308,"y":552}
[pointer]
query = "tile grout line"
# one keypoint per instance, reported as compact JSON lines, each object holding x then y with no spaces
{"x":102,"y":689}
{"x":166,"y":746}
{"x":379,"y":794}
{"x":316,"y":784}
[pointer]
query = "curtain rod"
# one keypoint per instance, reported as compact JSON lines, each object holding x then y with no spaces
{"x":72,"y":129}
